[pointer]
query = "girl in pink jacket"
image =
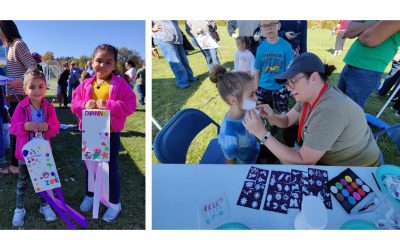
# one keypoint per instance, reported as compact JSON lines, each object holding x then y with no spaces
{"x":106,"y":91}
{"x":33,"y":114}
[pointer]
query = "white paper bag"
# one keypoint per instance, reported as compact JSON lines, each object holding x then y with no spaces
{"x":96,"y":135}
{"x":41,"y":166}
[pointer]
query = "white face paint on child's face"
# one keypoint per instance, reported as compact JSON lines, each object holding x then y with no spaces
{"x":249,"y":100}
{"x":249,"y":104}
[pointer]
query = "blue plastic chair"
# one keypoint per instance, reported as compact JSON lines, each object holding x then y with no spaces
{"x":393,"y":132}
{"x":172,"y":142}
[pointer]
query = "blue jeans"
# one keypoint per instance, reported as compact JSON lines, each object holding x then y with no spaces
{"x":210,"y":55}
{"x":22,"y":185}
{"x":141,"y":88}
{"x":176,"y":57}
{"x":71,"y":87}
{"x":113,"y":174}
{"x":358,"y":84}
{"x":392,"y":79}
{"x":2,"y":142}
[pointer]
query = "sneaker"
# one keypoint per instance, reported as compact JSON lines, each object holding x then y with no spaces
{"x":112,"y":212}
{"x":18,"y":218}
{"x":87,"y":204}
{"x":48,"y":213}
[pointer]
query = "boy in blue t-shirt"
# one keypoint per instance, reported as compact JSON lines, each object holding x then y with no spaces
{"x":272,"y":59}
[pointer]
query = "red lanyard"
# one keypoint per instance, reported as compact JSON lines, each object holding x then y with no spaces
{"x":304,"y":113}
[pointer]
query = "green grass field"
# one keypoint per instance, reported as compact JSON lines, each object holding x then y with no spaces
{"x":66,"y":149}
{"x":169,"y":99}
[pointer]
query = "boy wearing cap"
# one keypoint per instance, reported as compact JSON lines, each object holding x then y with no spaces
{"x":332,"y":128}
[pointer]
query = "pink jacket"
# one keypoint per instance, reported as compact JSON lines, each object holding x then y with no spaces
{"x":22,"y":114}
{"x":121,"y":102}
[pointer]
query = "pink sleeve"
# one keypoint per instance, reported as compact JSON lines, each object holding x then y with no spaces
{"x":125,"y":104}
{"x":52,"y":122}
{"x":17,"y":122}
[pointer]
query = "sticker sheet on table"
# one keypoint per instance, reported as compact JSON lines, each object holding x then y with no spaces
{"x":284,"y":189}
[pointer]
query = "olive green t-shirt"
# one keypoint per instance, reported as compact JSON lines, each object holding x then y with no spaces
{"x":338,"y":126}
{"x":373,"y":58}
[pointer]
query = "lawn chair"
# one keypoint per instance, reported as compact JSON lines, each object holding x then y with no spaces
{"x":172,"y":142}
{"x":394,"y":134}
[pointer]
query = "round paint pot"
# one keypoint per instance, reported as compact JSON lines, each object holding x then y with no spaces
{"x":348,"y":178}
{"x":357,"y":196}
{"x":361,"y":192}
{"x":338,"y":185}
{"x":313,"y":214}
{"x":354,"y":185}
{"x":365,"y":188}
{"x":345,"y":192}
{"x":340,"y":197}
{"x":350,"y":189}
{"x":352,"y":201}
{"x":334,"y":189}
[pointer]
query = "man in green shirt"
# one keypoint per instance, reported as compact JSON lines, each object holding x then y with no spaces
{"x":368,"y":57}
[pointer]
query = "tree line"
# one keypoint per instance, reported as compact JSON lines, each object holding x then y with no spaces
{"x":124,"y":54}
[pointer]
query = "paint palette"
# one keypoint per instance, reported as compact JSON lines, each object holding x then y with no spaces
{"x":351,"y":192}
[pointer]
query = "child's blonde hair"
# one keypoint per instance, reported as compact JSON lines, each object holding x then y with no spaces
{"x":34,"y":73}
{"x":230,"y":83}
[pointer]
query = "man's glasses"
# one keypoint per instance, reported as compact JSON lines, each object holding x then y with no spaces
{"x":292,"y":82}
{"x":268,"y":26}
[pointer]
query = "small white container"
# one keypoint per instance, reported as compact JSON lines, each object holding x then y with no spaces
{"x":313,"y":214}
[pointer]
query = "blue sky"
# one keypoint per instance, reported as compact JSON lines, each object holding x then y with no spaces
{"x":76,"y":38}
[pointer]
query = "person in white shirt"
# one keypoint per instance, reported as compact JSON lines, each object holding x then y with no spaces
{"x":244,"y":59}
{"x":130,"y":74}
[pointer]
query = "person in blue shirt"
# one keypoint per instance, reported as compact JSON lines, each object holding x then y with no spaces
{"x":273,"y":57}
{"x":238,"y":90}
{"x":73,"y":79}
